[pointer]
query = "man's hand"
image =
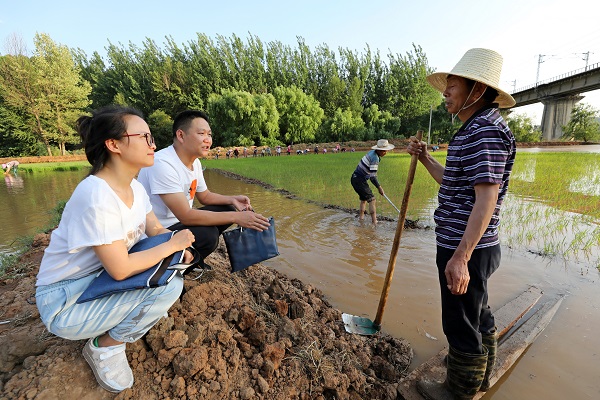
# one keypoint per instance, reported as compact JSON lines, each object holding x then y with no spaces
{"x":457,"y":274}
{"x":241,"y":203}
{"x":381,"y":192}
{"x":188,"y":257}
{"x":252,"y":220}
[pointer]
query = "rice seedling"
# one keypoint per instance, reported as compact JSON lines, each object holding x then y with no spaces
{"x":553,"y":206}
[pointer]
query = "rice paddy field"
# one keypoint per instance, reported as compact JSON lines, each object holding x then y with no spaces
{"x":553,"y":206}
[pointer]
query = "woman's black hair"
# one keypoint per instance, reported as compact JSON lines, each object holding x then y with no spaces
{"x":104,"y":124}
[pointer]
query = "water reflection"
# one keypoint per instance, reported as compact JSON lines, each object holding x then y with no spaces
{"x":14,"y":182}
{"x":29,"y":198}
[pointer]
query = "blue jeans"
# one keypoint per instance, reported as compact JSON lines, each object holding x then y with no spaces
{"x":125,"y":316}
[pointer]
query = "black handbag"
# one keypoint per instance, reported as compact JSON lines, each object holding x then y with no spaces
{"x":247,"y":247}
{"x":158,"y":275}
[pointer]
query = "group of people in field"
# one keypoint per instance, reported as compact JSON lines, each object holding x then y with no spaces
{"x":111,"y":210}
{"x":266,"y":151}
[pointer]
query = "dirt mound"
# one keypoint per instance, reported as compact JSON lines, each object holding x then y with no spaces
{"x":250,"y":335}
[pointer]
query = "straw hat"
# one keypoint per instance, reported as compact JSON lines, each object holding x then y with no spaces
{"x":481,"y":65}
{"x":383,"y":144}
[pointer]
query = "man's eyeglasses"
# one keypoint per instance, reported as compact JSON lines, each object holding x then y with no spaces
{"x":148,"y":136}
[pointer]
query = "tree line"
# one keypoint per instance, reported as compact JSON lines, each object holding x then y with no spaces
{"x":255,"y":93}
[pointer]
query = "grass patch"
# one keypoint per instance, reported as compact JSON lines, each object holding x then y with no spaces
{"x":54,"y":166}
{"x":553,"y":207}
{"x":325,"y":179}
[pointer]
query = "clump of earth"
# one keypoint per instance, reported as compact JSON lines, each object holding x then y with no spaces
{"x":254,"y":334}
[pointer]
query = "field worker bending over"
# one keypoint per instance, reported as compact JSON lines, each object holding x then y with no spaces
{"x":10,"y":165}
{"x":367,"y":170}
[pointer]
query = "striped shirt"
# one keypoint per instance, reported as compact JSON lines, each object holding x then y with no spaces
{"x":368,"y":166}
{"x":482,"y":151}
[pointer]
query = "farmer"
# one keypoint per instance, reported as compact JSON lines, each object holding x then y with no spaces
{"x":367,"y":170}
{"x":176,"y":178}
{"x":107,"y":214}
{"x":473,"y":185}
{"x":10,"y":165}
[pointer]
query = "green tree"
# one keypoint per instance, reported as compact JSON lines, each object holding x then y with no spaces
{"x":15,"y":137}
{"x":46,"y":89}
{"x":21,"y":90}
{"x":583,"y":124}
{"x":299,"y":114}
{"x":346,"y":126}
{"x":242,"y":119}
{"x":161,"y":126}
{"x":63,"y":89}
{"x":523,"y":129}
{"x":93,"y":71}
{"x":409,"y":94}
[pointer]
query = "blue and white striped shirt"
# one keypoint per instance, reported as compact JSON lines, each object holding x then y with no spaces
{"x":368,"y":166}
{"x":482,"y":151}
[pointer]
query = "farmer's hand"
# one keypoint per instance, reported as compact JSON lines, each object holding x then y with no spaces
{"x":457,"y":274}
{"x":381,"y":192}
{"x":418,"y":147}
{"x":252,"y":220}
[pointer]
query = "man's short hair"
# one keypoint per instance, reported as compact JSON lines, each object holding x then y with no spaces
{"x":184,"y":119}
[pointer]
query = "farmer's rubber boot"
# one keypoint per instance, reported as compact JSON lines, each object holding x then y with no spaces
{"x":463,"y":377}
{"x":490,"y":342}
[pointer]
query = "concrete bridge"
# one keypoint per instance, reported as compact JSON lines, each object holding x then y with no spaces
{"x":559,"y":95}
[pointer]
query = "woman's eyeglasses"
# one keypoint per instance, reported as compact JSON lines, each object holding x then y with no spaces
{"x":148,"y":136}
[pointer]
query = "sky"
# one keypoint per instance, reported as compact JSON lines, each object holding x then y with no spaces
{"x":564,"y":33}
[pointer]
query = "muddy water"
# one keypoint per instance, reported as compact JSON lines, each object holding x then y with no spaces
{"x":348,"y":260}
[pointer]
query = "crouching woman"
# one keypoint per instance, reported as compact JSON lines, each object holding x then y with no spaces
{"x":108,"y":213}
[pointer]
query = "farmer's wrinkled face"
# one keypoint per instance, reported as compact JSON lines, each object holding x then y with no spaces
{"x":456,"y":93}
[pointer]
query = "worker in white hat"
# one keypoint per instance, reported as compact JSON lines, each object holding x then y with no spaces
{"x":473,"y":184}
{"x":367,"y":170}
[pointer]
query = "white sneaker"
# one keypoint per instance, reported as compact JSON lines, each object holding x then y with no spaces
{"x":109,"y":365}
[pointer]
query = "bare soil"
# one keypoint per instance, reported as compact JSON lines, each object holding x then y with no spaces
{"x":250,"y":335}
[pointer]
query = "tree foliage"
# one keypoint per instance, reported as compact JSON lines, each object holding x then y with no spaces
{"x":523,"y":129}
{"x":299,"y":114}
{"x":46,"y":89}
{"x":255,"y":92}
{"x":243,"y":119}
{"x":583,"y":124}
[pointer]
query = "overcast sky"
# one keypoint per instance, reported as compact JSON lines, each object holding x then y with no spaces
{"x":564,"y":32}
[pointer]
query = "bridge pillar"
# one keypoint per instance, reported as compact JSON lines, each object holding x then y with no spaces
{"x":557,"y":113}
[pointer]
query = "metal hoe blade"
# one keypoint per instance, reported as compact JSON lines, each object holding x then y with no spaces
{"x":359,"y":325}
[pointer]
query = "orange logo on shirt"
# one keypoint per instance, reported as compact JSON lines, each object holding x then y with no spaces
{"x":192,"y":191}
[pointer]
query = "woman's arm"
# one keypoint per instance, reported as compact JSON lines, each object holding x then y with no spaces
{"x":120,"y":264}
